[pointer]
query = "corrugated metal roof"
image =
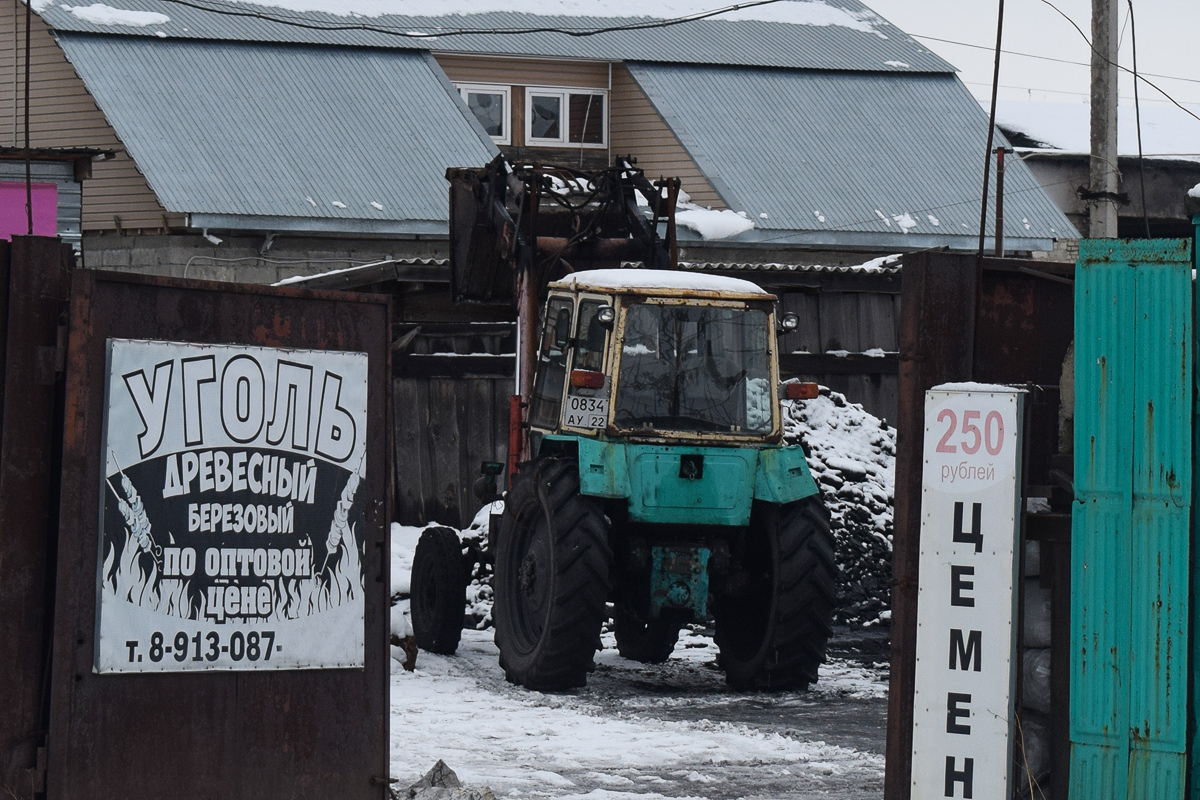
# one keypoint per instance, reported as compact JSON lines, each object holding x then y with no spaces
{"x":888,"y":265}
{"x":883,"y":48}
{"x":347,"y":139}
{"x":849,"y":158}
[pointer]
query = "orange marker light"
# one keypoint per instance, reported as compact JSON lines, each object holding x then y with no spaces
{"x":586,"y":379}
{"x":800,"y":391}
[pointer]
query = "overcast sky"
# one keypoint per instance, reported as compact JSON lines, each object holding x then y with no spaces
{"x":1168,"y":43}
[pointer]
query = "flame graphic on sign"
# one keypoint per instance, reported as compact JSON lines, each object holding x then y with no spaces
{"x":341,"y":583}
{"x":127,"y":580}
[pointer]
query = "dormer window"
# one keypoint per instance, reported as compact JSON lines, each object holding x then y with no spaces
{"x":565,"y":117}
{"x":553,"y":116}
{"x":490,"y":105}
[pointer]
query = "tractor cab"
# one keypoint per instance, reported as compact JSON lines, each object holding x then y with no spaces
{"x":649,"y":355}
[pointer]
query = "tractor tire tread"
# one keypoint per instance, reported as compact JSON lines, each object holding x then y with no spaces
{"x":438,"y":591}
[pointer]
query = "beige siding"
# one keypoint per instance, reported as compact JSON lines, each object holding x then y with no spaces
{"x":63,"y":114}
{"x":637,"y":129}
{"x":525,"y":71}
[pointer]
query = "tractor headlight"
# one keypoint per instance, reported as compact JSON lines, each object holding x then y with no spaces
{"x":606,"y":315}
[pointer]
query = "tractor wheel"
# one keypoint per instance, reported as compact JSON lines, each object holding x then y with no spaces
{"x":772,"y":635}
{"x":438,"y":593}
{"x":551,"y":578}
{"x":648,"y":642}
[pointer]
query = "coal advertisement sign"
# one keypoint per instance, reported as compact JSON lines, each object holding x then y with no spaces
{"x":231,"y":525}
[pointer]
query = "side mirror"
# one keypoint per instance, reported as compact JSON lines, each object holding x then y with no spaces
{"x":485,"y":488}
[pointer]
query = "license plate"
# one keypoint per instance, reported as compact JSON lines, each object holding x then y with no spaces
{"x":587,"y":412}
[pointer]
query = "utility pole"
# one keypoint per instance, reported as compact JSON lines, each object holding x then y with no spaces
{"x":1105,"y":177}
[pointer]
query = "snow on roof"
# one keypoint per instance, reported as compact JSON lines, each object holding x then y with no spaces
{"x":975,"y":386}
{"x":653,"y":279}
{"x":102,"y":14}
{"x":801,"y":34}
{"x":795,"y":12}
{"x":713,"y":224}
{"x":883,"y":265}
{"x":1166,"y":130}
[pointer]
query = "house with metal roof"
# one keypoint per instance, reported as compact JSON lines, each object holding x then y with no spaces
{"x":254,"y":142}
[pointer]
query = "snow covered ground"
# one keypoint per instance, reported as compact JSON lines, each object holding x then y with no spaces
{"x":641,"y":731}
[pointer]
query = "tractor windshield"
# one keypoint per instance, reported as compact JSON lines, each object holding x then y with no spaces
{"x":694,"y":368}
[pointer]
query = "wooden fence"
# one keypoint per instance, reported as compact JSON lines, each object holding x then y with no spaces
{"x":453,"y":381}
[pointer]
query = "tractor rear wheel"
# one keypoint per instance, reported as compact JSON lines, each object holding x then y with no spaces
{"x":772,"y":635}
{"x":650,"y":642}
{"x":438,"y":591}
{"x":551,"y":578}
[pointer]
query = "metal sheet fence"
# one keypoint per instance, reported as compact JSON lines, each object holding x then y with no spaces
{"x":1131,"y":525}
{"x":993,"y":321}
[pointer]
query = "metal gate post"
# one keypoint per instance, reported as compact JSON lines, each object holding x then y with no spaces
{"x":1130,"y":533}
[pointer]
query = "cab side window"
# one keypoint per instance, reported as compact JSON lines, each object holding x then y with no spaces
{"x":552,"y":363}
{"x":593,"y":336}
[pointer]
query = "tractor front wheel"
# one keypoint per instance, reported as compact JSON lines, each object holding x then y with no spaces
{"x":551,"y":578}
{"x":438,"y":591}
{"x":772,"y":635}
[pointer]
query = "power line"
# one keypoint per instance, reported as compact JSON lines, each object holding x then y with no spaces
{"x":1105,"y":58}
{"x":1044,"y":58}
{"x":1137,"y":110}
{"x":1161,"y":100}
{"x":436,"y":33}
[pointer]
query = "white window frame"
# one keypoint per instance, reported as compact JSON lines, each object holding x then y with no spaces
{"x":564,"y":96}
{"x":491,"y":88}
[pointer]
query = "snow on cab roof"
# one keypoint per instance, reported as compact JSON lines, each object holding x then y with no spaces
{"x":657,"y":279}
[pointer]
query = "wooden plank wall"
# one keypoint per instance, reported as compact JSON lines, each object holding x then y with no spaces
{"x":444,"y":428}
{"x":855,"y":322}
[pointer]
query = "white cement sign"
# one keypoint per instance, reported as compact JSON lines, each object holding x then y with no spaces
{"x":963,"y":703}
{"x":231,"y":522}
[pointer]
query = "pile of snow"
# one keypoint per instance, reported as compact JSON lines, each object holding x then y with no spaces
{"x":708,"y":222}
{"x":852,"y":456}
{"x":1194,"y":191}
{"x":712,"y":224}
{"x":479,"y":590}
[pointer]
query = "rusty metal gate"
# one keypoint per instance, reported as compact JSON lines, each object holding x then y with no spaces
{"x":994,"y":321}
{"x":176,"y":715}
{"x":33,"y":289}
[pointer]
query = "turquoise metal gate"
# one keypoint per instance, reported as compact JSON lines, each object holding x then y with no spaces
{"x":1131,"y":524}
